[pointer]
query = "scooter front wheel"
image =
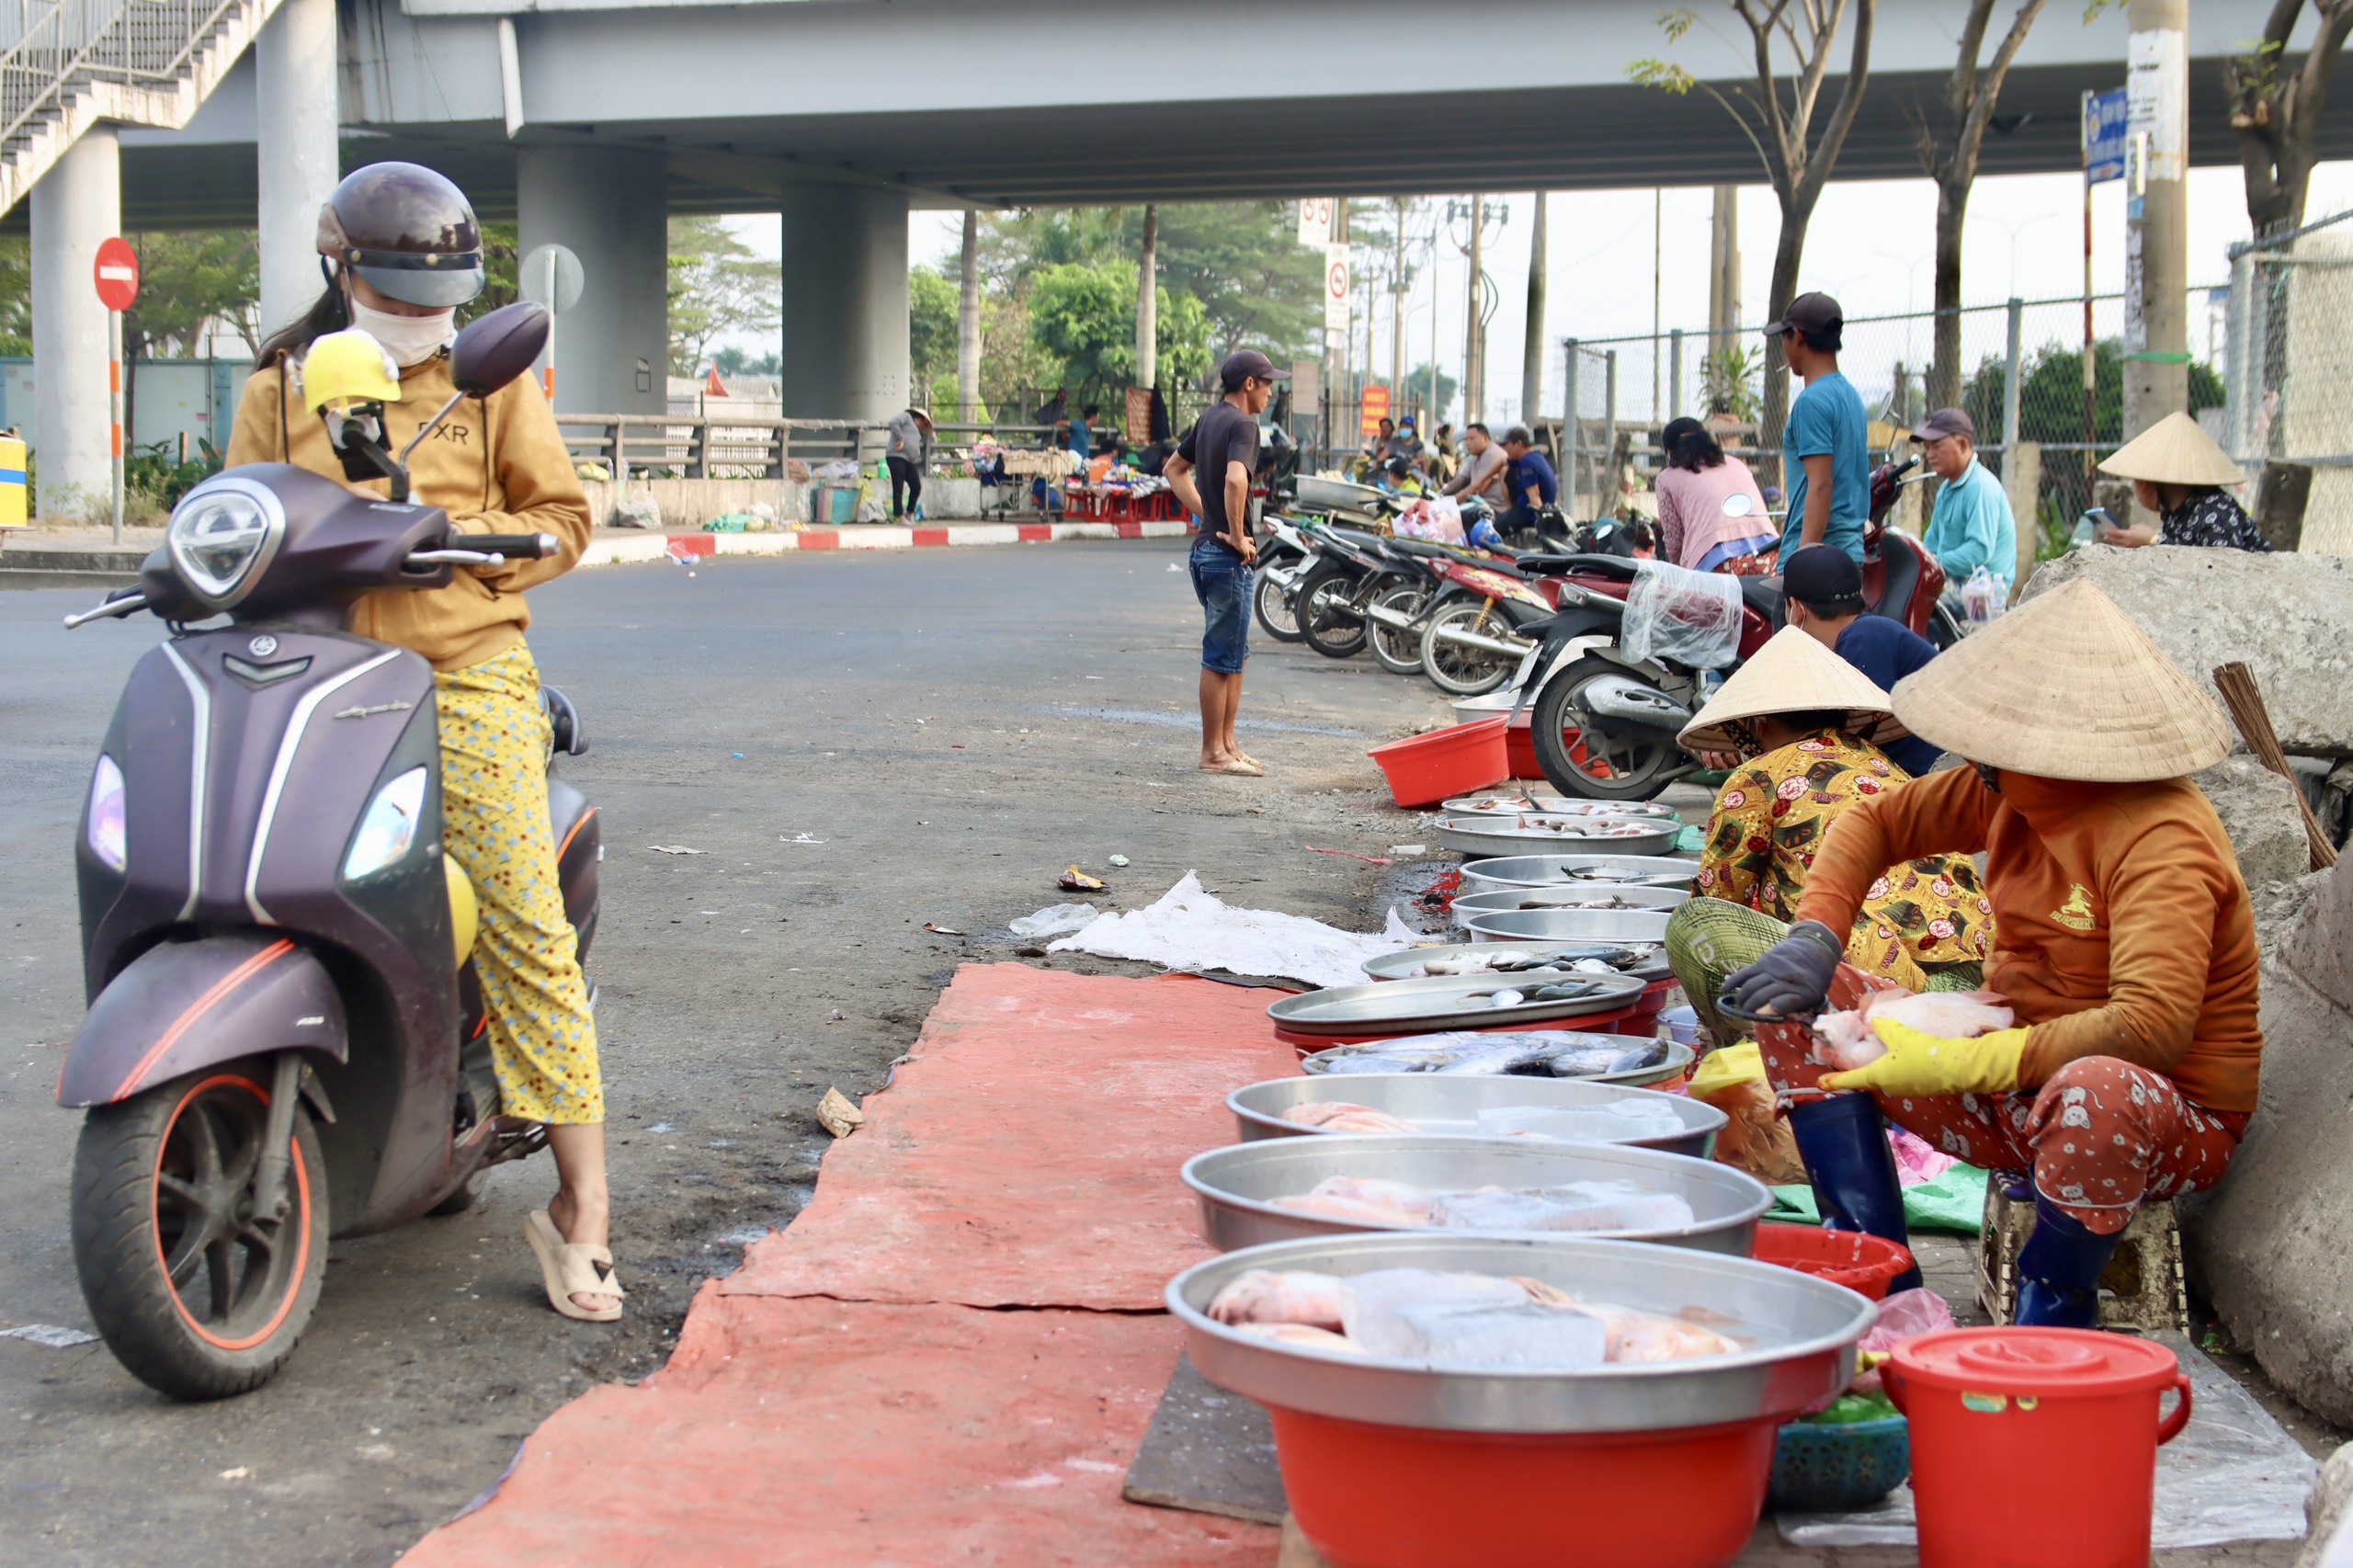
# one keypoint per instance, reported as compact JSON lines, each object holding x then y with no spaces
{"x":197,"y":1295}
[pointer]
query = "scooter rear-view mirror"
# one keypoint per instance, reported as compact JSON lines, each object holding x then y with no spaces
{"x":496,"y":348}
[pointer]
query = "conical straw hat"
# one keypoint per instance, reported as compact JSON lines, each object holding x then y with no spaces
{"x":2175,"y":451}
{"x":2067,"y":686}
{"x":1792,"y":674}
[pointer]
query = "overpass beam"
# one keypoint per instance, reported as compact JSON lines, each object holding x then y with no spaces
{"x":845,"y":348}
{"x":77,"y":204}
{"x":611,"y":207}
{"x":296,"y":115}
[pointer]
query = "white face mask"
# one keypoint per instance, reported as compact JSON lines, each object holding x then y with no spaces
{"x":410,"y":340}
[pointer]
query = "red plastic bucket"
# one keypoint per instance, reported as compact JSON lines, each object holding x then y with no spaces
{"x":2035,"y":1448}
{"x":1520,"y":748}
{"x":1866,"y":1265}
{"x":1374,"y":1496}
{"x":1425,"y":769}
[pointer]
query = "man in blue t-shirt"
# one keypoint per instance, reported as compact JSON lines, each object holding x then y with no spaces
{"x":1825,"y":592}
{"x":1532,"y":482}
{"x":1825,"y":456}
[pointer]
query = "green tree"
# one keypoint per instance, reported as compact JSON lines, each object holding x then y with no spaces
{"x":931,"y":325}
{"x":499,"y":260}
{"x":718,"y":286}
{"x":1417,"y":391}
{"x":2050,"y":409}
{"x":733,"y":361}
{"x":16,"y":296}
{"x":1086,"y":318}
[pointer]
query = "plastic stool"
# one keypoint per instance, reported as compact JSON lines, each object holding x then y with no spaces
{"x":2142,"y":1290}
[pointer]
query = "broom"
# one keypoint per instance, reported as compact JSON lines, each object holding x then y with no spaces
{"x":2236,"y":683}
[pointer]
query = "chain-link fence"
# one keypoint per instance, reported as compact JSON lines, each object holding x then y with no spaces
{"x":2290,"y":333}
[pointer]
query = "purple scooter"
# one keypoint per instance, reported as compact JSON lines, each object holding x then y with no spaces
{"x":285,"y":1042}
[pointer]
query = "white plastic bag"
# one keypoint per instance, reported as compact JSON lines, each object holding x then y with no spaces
{"x":1983,"y":599}
{"x":1056,"y":920}
{"x":1681,"y":616}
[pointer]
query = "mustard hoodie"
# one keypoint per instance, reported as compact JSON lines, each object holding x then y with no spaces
{"x":496,"y":465}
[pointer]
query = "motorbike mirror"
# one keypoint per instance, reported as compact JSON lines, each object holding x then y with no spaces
{"x":498,"y":348}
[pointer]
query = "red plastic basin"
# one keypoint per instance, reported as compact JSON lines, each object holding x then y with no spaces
{"x":1866,"y":1265}
{"x":1374,"y":1496}
{"x":1425,"y":770}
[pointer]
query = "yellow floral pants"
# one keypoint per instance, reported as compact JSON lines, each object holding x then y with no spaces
{"x":495,"y":824}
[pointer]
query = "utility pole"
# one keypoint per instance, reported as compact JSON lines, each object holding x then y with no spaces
{"x":2157,"y":255}
{"x":1531,"y":364}
{"x":1658,"y":237}
{"x":968,"y":323}
{"x":1397,"y":308}
{"x":1723,"y":269}
{"x":1148,"y":302}
{"x":1475,"y":392}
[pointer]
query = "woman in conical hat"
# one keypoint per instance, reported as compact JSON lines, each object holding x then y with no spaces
{"x":2122,"y":939}
{"x":2178,"y":471}
{"x":1802,"y":719}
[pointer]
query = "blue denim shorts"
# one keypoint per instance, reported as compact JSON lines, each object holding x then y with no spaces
{"x":1222,"y":582}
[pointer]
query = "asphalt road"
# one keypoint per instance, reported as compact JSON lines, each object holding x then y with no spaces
{"x":952,"y":726}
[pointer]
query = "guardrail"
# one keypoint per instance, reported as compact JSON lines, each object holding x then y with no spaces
{"x":60,"y":46}
{"x":689,"y":446}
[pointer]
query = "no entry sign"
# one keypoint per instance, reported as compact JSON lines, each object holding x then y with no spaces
{"x":117,"y":274}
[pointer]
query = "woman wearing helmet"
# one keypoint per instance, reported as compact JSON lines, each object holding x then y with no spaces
{"x":401,"y":250}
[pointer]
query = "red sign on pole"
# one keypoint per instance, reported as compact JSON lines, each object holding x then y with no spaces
{"x":1375,"y":409}
{"x":117,"y":274}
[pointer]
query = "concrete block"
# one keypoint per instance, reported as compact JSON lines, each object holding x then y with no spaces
{"x":2284,"y":615}
{"x":2258,"y":810}
{"x":2325,"y":1513}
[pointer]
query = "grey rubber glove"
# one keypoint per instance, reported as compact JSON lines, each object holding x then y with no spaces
{"x":1793,"y":977}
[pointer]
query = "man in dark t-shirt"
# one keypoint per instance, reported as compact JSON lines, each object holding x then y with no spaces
{"x":1825,"y":589}
{"x":1223,"y":451}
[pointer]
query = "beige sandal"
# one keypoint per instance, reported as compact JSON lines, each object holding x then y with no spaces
{"x":570,"y":1268}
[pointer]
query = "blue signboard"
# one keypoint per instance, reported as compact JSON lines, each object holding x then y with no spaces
{"x":2105,"y":115}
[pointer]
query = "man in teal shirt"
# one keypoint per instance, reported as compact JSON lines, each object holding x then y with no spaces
{"x":1825,"y":456}
{"x":1971,"y":526}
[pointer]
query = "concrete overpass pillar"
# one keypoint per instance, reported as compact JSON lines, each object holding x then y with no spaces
{"x":77,"y":204}
{"x":612,"y":350}
{"x":294,"y":99}
{"x":845,"y":302}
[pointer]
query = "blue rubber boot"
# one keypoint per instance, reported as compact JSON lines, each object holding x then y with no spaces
{"x":2059,"y":1270}
{"x":1844,"y":1145}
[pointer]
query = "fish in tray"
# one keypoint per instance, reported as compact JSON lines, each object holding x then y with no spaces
{"x":1505,"y":957}
{"x":1610,"y":1122}
{"x":1538,"y":1053}
{"x":1572,"y":1206}
{"x":1442,"y":1318}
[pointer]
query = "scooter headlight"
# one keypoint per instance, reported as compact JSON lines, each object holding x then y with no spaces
{"x":221,"y":537}
{"x":389,"y":830}
{"x":108,"y":835}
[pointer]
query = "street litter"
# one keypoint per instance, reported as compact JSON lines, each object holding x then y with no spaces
{"x":674,"y":849}
{"x":1368,"y":859}
{"x":50,"y":1335}
{"x":1190,"y":929}
{"x":837,"y":1116}
{"x":1056,"y":920}
{"x":797,"y":838}
{"x":1076,"y":881}
{"x":1174,"y":567}
{"x":1442,"y":1318}
{"x":1116,"y":860}
{"x":1407,"y":852}
{"x":941,"y":930}
{"x":239,"y":1474}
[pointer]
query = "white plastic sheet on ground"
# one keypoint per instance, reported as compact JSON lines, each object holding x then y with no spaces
{"x":2233,"y":1475}
{"x":1190,"y":929}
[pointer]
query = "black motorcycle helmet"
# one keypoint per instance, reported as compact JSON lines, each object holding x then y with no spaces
{"x":408,"y":231}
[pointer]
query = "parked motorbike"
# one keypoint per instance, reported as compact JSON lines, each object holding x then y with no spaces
{"x":1473,"y":642}
{"x":284,"y":1041}
{"x":1284,"y":556}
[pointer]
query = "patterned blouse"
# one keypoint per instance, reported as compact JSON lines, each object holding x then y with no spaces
{"x":2211,"y":518}
{"x":1770,"y":819}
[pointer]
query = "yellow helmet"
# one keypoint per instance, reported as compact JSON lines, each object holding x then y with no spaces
{"x":349,"y":367}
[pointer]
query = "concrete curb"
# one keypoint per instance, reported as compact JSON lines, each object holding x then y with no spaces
{"x":608,"y":548}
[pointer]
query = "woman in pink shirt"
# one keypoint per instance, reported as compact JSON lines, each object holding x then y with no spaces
{"x":1711,"y":516}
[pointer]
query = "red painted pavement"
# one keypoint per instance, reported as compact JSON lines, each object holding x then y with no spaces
{"x":931,"y":535}
{"x":694,"y":544}
{"x":1035,"y":533}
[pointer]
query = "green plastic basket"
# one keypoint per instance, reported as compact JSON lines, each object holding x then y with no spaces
{"x":1831,"y":1468}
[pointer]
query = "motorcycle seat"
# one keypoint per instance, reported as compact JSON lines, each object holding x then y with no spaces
{"x":1764,"y":596}
{"x":1619,"y":567}
{"x":1427,"y":548}
{"x":1898,"y":578}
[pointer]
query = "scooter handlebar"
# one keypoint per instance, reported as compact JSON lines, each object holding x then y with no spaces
{"x":515,"y":547}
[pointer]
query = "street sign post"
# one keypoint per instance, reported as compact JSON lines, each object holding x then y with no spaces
{"x":552,"y":276}
{"x":1336,"y":288}
{"x":117,"y":277}
{"x":1316,"y":221}
{"x":2107,"y":119}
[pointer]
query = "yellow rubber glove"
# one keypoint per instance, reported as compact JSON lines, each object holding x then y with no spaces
{"x":1918,"y":1063}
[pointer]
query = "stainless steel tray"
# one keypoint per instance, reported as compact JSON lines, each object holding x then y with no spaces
{"x":1449,"y":1107}
{"x":1680,"y":1058}
{"x":1314,"y":495}
{"x":1505,"y":803}
{"x":1494,"y":901}
{"x":1401,"y":964}
{"x":1437,"y":1003}
{"x":1550,"y":870}
{"x":1237,"y":1185}
{"x":1476,"y":838}
{"x":1569,"y":926}
{"x":1803,"y":1332}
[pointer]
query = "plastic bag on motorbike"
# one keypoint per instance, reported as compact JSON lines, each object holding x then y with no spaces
{"x":1682,"y":617}
{"x":1436,"y":518}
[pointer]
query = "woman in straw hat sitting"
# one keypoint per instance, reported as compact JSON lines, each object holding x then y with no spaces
{"x":2122,"y":938}
{"x":2178,"y":471}
{"x":1799,"y":714}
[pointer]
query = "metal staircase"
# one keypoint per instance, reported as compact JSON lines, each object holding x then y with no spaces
{"x":69,"y":65}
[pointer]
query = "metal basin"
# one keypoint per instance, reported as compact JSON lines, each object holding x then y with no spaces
{"x":1442,"y":1002}
{"x":1678,"y":1062}
{"x":1480,"y":837}
{"x":1802,"y":1333}
{"x":1569,"y":926}
{"x":1504,"y":804}
{"x":1469,"y":906}
{"x":1404,"y":964}
{"x":1553,"y":870}
{"x":1314,"y":495}
{"x":1489,"y":705}
{"x":1449,"y":1107}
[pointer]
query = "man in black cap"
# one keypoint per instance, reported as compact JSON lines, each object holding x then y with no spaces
{"x":1825,"y":601}
{"x":1224,"y":448}
{"x":1825,"y":455}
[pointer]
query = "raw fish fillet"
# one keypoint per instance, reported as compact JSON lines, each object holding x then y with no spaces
{"x":1365,"y":1199}
{"x":1339,"y":1116}
{"x":1574,"y":1206}
{"x":1299,"y":1336}
{"x":1318,"y":1301}
{"x":1845,"y":1042}
{"x":1614,"y":1122}
{"x":1637,"y":1337}
{"x":1521,"y":1335}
